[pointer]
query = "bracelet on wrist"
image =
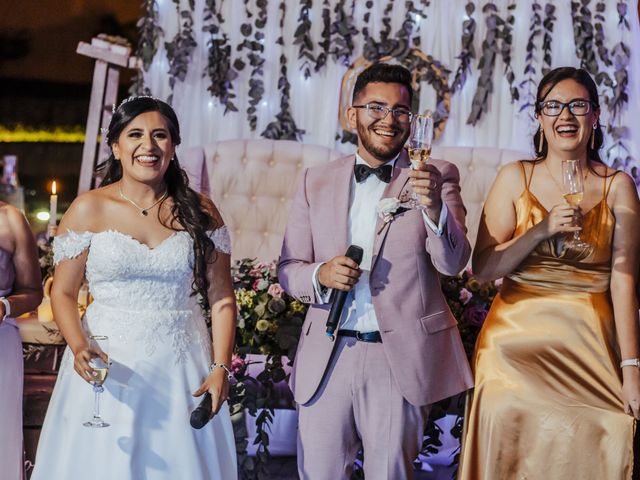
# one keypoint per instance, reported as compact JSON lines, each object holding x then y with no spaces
{"x":630,"y":362}
{"x":7,"y":308}
{"x":215,"y":365}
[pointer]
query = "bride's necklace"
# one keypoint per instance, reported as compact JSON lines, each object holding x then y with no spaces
{"x":143,"y":211}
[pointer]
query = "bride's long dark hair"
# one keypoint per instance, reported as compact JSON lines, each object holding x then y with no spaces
{"x":187,"y":208}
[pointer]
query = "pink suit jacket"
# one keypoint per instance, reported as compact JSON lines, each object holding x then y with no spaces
{"x":419,"y":332}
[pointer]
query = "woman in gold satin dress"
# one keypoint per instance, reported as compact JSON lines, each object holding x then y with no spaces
{"x":552,"y":400}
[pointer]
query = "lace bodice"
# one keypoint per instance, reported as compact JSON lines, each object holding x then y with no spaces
{"x":140,"y":293}
{"x":124,"y":273}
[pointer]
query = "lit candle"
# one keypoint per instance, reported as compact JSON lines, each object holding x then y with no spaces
{"x":53,"y":205}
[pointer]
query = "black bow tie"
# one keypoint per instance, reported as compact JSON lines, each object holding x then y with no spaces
{"x":362,"y":171}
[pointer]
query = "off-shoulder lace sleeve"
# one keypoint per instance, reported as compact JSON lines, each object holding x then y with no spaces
{"x":70,"y":245}
{"x":221,"y":240}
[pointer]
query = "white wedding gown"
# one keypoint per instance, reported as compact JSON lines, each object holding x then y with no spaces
{"x":160,"y":351}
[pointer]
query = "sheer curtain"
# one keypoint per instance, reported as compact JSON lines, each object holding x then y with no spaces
{"x":315,"y":100}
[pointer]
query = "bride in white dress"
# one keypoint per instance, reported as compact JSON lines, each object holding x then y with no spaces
{"x":155,"y":255}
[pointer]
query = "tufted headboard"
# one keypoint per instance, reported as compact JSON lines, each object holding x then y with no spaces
{"x":253,"y":181}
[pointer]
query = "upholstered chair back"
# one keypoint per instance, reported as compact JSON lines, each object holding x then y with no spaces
{"x":478,"y":167}
{"x":253,"y":182}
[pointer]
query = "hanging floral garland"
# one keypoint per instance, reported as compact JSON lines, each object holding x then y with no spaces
{"x":529,"y":84}
{"x":284,"y":126}
{"x":599,"y":37}
{"x":302,"y":38}
{"x":180,"y":48}
{"x":547,"y":24}
{"x":325,"y":42}
{"x":343,"y":31}
{"x":468,"y":52}
{"x":506,"y":36}
{"x":618,"y":154}
{"x":219,"y":69}
{"x":150,"y":32}
{"x":366,"y":17}
{"x":583,"y":36}
{"x":486,"y":64}
{"x":254,"y":43}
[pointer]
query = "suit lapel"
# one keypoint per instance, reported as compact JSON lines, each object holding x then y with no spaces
{"x":399,"y":182}
{"x":341,"y":195}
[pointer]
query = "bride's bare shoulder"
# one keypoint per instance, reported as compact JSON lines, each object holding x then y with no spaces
{"x":86,"y":212}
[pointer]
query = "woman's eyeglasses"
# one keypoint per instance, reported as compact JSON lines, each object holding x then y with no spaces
{"x":553,"y":108}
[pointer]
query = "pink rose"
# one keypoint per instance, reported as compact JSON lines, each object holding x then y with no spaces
{"x":237,"y":363}
{"x":275,"y":290}
{"x":465,"y":296}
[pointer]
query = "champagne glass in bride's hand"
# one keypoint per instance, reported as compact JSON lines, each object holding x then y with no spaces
{"x":572,"y":180}
{"x":420,"y":146}
{"x":99,"y":372}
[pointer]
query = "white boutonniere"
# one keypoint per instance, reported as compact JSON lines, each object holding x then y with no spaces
{"x":388,"y":208}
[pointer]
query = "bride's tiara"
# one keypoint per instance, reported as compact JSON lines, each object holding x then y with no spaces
{"x":113,"y":108}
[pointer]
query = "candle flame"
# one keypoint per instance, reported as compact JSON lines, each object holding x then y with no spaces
{"x":54,"y":190}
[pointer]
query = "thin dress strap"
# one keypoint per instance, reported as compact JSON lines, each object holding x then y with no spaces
{"x":607,"y":189}
{"x":527,"y":182}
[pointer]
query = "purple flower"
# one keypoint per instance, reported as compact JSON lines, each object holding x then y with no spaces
{"x":475,"y":315}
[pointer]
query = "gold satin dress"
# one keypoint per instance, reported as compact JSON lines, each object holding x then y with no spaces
{"x":548,"y":398}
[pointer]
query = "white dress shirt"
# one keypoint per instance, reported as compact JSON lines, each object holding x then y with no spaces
{"x":358,"y":312}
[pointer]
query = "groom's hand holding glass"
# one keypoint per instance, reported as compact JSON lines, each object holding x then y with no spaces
{"x":426,"y":182}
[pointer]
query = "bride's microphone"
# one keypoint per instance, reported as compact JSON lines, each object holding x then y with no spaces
{"x":202,"y":413}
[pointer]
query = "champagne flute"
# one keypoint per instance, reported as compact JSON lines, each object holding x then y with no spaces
{"x":420,"y":146}
{"x":572,"y":180}
{"x":99,"y":372}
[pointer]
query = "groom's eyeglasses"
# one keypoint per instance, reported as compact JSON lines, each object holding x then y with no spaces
{"x":378,"y":112}
{"x":553,"y":108}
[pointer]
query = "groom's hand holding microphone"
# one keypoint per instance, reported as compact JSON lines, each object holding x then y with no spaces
{"x":340,"y":274}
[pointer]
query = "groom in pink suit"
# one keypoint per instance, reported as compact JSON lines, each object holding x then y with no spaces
{"x":397,"y":348}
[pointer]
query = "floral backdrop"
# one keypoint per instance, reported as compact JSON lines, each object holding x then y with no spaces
{"x":252,"y":68}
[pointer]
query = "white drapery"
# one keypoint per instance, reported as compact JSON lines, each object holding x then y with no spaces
{"x":315,"y":101}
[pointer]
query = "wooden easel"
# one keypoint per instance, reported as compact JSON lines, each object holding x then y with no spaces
{"x":110,"y":58}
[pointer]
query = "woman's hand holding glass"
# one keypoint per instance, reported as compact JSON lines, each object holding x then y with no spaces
{"x":98,"y":369}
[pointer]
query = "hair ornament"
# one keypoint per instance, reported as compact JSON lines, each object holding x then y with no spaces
{"x":129,"y":99}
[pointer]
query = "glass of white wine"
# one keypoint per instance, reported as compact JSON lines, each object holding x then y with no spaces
{"x":573,"y":182}
{"x":420,"y":146}
{"x":99,"y":372}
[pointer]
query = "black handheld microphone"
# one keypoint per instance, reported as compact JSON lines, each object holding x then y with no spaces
{"x":338,"y":297}
{"x":202,"y":413}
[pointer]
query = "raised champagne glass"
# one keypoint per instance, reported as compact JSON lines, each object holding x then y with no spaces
{"x":420,"y":146}
{"x":573,"y":182}
{"x":99,"y":372}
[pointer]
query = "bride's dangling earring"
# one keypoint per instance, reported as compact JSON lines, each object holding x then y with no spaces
{"x":593,"y":136}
